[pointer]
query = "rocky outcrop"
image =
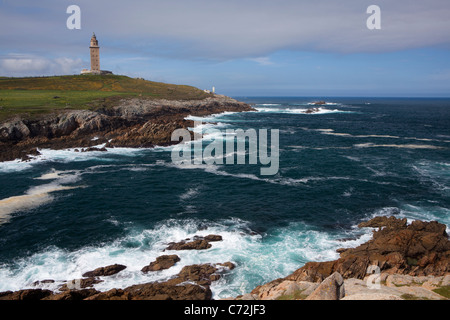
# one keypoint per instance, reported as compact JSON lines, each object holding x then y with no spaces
{"x":332,"y":288}
{"x":198,"y":243}
{"x":105,"y":271}
{"x":161,"y":263}
{"x":27,"y":294}
{"x":132,"y":122}
{"x":418,"y":249}
{"x":192,"y":283}
{"x":401,"y":262}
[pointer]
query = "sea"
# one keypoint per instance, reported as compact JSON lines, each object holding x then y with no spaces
{"x":65,"y":212}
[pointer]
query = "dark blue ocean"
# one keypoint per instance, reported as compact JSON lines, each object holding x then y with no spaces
{"x":66,"y":212}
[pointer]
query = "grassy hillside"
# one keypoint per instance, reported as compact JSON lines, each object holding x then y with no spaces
{"x":38,"y":95}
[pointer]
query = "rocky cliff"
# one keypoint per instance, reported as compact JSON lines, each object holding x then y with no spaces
{"x":406,"y":262}
{"x":132,"y":122}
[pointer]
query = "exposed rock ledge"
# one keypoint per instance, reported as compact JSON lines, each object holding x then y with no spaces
{"x":133,"y":122}
{"x":400,"y":262}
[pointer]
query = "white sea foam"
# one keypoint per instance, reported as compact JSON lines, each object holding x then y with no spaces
{"x":258,"y":258}
{"x":211,"y":118}
{"x":190,"y":193}
{"x":67,"y":156}
{"x":342,"y":134}
{"x":38,"y":195}
{"x":300,"y":110}
{"x":400,"y":146}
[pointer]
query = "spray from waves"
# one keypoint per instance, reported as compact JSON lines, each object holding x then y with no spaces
{"x":68,"y":156}
{"x":38,"y":195}
{"x":401,"y":146}
{"x":300,"y":110}
{"x":415,"y":212}
{"x":211,"y":118}
{"x":332,"y":132}
{"x":436,"y":173}
{"x":258,"y":258}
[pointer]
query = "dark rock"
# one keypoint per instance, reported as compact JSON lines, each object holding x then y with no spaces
{"x":27,"y":294}
{"x":228,"y":265}
{"x":40,"y":282}
{"x":80,"y":284}
{"x":192,"y":245}
{"x":383,"y":221}
{"x":104,"y":271}
{"x":161,"y":263}
{"x":90,"y":149}
{"x":199,"y":273}
{"x":113,"y":294}
{"x":312,"y":110}
{"x":198,"y":243}
{"x":156,"y":291}
{"x":72,"y":295}
{"x":213,"y":237}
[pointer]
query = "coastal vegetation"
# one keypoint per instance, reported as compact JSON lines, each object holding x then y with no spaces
{"x":33,"y":96}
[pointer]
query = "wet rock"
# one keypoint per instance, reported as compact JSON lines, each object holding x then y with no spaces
{"x":79,"y":284}
{"x":105,"y":271}
{"x":161,"y":263}
{"x":25,"y":295}
{"x":90,"y":149}
{"x":72,"y":295}
{"x":213,"y":237}
{"x":43,"y":282}
{"x":198,"y":243}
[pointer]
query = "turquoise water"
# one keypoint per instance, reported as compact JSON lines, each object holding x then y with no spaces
{"x":65,"y":213}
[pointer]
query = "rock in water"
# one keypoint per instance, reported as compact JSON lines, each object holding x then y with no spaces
{"x":332,"y":288}
{"x":161,"y":263}
{"x":105,"y":271}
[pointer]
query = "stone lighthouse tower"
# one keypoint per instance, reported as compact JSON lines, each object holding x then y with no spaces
{"x":95,"y":59}
{"x":95,"y":55}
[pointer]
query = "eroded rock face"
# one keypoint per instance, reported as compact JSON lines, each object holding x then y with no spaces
{"x":136,"y":122}
{"x":418,"y":249}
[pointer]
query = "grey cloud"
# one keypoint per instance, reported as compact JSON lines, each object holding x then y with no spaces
{"x":25,"y":65}
{"x":235,"y":29}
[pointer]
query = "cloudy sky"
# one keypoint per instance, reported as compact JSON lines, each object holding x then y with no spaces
{"x":242,"y":47}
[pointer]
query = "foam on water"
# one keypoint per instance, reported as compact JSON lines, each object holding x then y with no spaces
{"x":300,"y":110}
{"x":259,"y":258}
{"x":401,"y":146}
{"x":68,"y":156}
{"x":38,"y":195}
{"x":211,"y":118}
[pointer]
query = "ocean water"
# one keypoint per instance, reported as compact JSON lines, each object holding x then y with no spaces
{"x":65,"y":213}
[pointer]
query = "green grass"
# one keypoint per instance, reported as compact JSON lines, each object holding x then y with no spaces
{"x":38,"y":95}
{"x":408,"y":296}
{"x":443,"y":291}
